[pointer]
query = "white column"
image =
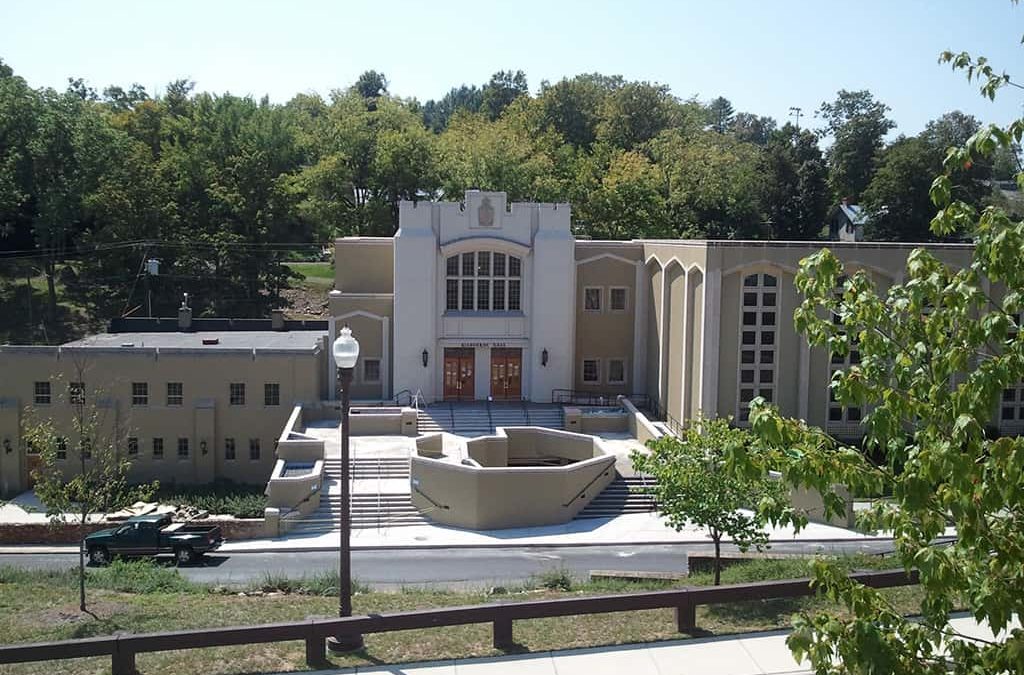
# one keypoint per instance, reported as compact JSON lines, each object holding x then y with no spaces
{"x":385,"y":358}
{"x":803,"y":391}
{"x":709,"y":342}
{"x":639,"y":365}
{"x":662,"y":339}
{"x":332,"y":370}
{"x":687,"y":355}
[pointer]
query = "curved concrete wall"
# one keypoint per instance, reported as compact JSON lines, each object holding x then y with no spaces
{"x":493,"y":496}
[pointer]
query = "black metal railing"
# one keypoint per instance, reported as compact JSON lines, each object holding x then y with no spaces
{"x":122,"y":649}
{"x":594,"y":398}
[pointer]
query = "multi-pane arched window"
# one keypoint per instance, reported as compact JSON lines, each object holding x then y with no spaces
{"x":483,"y":281}
{"x":758,"y":333}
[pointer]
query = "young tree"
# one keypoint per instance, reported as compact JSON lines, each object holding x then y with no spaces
{"x":694,"y":485}
{"x":96,"y":448}
{"x":937,"y":351}
{"x":721,"y":114}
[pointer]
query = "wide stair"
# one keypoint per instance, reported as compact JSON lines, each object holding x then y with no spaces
{"x":622,"y":496}
{"x":368,"y":510}
{"x":480,"y":419}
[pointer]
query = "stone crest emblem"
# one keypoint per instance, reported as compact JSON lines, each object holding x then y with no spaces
{"x":485,"y":213}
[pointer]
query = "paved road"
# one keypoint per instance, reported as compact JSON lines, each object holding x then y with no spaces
{"x":449,"y":568}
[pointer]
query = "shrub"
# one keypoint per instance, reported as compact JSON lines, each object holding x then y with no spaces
{"x":556,"y":579}
{"x":223,"y":498}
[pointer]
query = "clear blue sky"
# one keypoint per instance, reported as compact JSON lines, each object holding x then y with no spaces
{"x":763,"y":56}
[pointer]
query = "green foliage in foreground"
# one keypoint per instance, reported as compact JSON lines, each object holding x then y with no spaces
{"x":938,"y":351}
{"x":222,"y":498}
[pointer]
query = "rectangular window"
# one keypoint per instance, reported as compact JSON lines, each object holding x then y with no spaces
{"x":591,"y":299}
{"x":499,"y":295}
{"x":499,"y":264}
{"x":514,"y":304}
{"x":140,"y":393}
{"x":175,"y":393}
{"x":158,"y":448}
{"x":62,"y":448}
{"x":229,"y":449}
{"x":483,"y":295}
{"x":451,"y":295}
{"x":237,"y":393}
{"x":617,"y":299}
{"x":591,"y":371}
{"x":76,"y":393}
{"x":452,"y":266}
{"x":483,"y":264}
{"x":371,"y":370}
{"x":254,"y":449}
{"x":616,"y":371}
{"x":87,"y":448}
{"x":467,"y":295}
{"x":182,"y":448}
{"x":468,"y":264}
{"x":42,"y":393}
{"x":271,"y":393}
{"x":515,"y":266}
{"x":133,"y":446}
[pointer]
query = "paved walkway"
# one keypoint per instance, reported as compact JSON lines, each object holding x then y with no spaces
{"x":750,"y":654}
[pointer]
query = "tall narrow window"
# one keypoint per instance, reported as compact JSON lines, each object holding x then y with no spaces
{"x":271,"y":393}
{"x":158,"y":448}
{"x":76,"y":393}
{"x":236,"y":391}
{"x":182,"y":448}
{"x":757,"y":362}
{"x":371,"y":371}
{"x":514,"y":295}
{"x":1011,"y":407}
{"x":140,"y":393}
{"x":175,"y":393}
{"x":617,"y":299}
{"x":133,"y":446}
{"x":592,"y":299}
{"x":254,"y":449}
{"x":229,"y":449}
{"x":592,"y":371}
{"x":839,"y":415}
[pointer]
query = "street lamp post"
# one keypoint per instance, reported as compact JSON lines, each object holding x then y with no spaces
{"x":346,"y":352}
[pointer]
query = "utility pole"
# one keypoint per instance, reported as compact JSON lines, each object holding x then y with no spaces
{"x":796,"y":112}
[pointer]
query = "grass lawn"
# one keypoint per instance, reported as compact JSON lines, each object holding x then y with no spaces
{"x":141,"y":597}
{"x":315,"y":273}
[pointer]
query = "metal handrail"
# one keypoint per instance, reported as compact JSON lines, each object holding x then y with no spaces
{"x":587,"y":486}
{"x":595,"y":398}
{"x":123,"y":648}
{"x":437,"y":505}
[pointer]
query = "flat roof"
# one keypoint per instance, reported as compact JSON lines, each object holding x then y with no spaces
{"x":300,"y":340}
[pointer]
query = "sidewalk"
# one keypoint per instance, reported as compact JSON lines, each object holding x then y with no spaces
{"x":626,"y":530}
{"x":749,"y":654}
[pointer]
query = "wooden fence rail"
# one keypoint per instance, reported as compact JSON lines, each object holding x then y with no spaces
{"x":123,"y":648}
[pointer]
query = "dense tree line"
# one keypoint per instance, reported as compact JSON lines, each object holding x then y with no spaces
{"x":223,"y":190}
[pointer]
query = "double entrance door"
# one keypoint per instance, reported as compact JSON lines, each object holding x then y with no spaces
{"x":460,"y":374}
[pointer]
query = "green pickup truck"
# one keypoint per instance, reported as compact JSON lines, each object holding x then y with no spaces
{"x":151,"y":536}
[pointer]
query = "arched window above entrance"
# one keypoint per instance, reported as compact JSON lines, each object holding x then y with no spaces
{"x":483,"y":281}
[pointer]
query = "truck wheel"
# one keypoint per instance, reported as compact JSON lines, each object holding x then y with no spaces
{"x":99,"y":556}
{"x":184,"y":555}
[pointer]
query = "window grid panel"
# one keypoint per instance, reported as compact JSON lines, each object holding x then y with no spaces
{"x":591,"y":371}
{"x":271,"y":393}
{"x":1011,"y":409}
{"x":158,"y":448}
{"x":76,"y":393}
{"x":175,"y":393}
{"x":42,"y":394}
{"x":182,"y":448}
{"x":140,"y":393}
{"x":617,"y":300}
{"x":229,"y":449}
{"x":757,"y":343}
{"x":477,"y":282}
{"x":838,"y":415}
{"x":237,"y":393}
{"x":371,"y":370}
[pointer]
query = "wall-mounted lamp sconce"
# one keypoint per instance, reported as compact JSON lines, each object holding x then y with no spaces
{"x":7,"y":446}
{"x":544,"y":357}
{"x":202,"y":447}
{"x":426,"y":357}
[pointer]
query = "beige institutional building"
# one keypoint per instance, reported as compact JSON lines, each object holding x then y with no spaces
{"x":471,"y":301}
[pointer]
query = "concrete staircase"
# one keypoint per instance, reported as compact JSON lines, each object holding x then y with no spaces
{"x":620,"y":497}
{"x":369,"y":509}
{"x":477,"y":419}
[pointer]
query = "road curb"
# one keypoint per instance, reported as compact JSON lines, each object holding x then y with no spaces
{"x":27,"y":550}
